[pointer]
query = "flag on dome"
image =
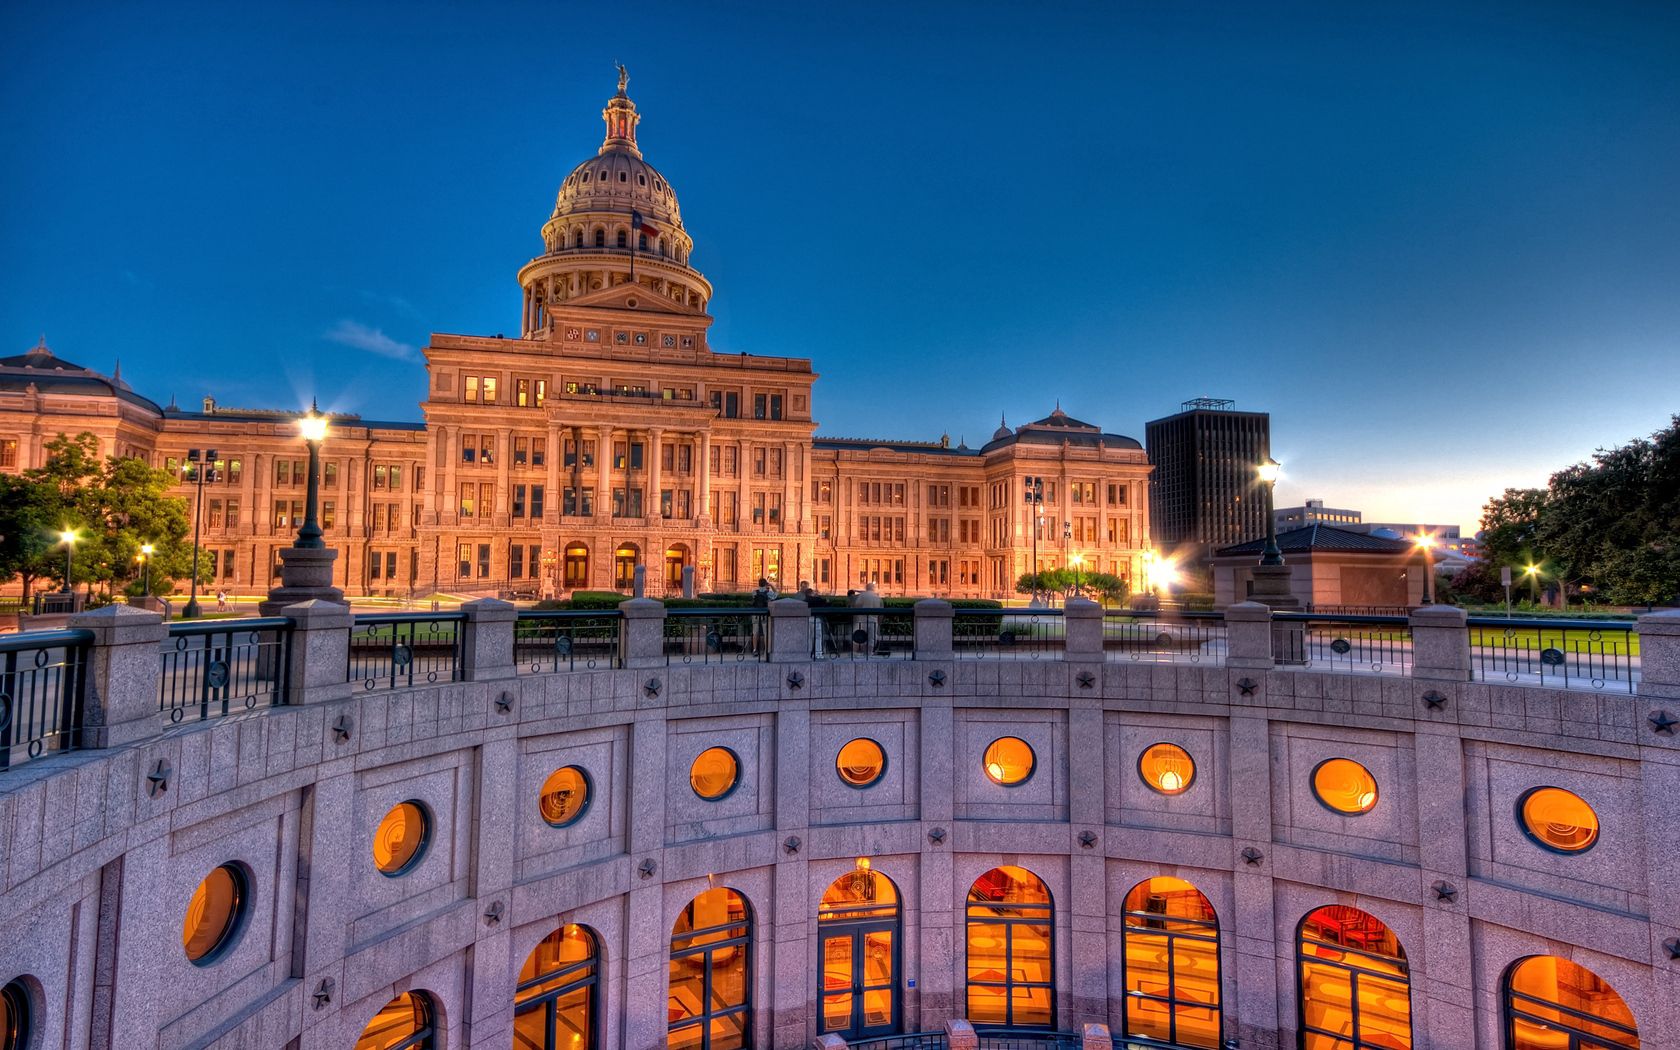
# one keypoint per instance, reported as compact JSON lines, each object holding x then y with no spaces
{"x":639,"y":223}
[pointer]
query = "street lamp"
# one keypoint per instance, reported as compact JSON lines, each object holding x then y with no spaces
{"x":68,"y":538}
{"x":313,"y":428}
{"x":1078,"y":562}
{"x":202,"y":468}
{"x":145,"y":560}
{"x":1426,"y":543}
{"x":1268,"y":472}
{"x":1033,"y":491}
{"x":1533,"y":574}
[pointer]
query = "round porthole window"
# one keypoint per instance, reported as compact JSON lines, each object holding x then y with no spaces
{"x":1167,"y":768}
{"x":215,"y":914}
{"x":1558,"y":819}
{"x":714,"y":773}
{"x":14,"y":1016}
{"x":1345,"y":786}
{"x":861,"y":762}
{"x":565,"y":795}
{"x":1008,"y":761}
{"x":400,"y":840}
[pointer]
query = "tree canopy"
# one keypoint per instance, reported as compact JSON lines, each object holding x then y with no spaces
{"x":1612,"y":524}
{"x":1104,"y":587}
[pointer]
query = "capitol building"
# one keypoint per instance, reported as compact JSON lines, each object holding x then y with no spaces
{"x":937,"y":828}
{"x":610,"y":435}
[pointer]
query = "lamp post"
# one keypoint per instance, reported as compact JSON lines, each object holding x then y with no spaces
{"x":146,"y":550}
{"x":68,"y":538}
{"x":1268,"y":472}
{"x":313,"y":427}
{"x":1426,"y":543}
{"x":1033,"y":492}
{"x":202,"y":469}
{"x":1078,"y":562}
{"x":1533,"y":574}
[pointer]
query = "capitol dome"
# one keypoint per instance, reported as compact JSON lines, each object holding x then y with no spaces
{"x":615,"y":221}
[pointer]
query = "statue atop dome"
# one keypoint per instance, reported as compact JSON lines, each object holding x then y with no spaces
{"x":623,"y":79}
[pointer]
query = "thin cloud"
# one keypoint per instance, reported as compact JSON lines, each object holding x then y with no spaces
{"x":373,"y":340}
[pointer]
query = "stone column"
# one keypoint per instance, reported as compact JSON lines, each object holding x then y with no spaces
{"x":552,"y":503}
{"x":320,"y":652}
{"x":642,"y":642}
{"x":1659,"y":654}
{"x":703,"y":470}
{"x":932,"y":629}
{"x":1082,"y":619}
{"x":448,"y":502}
{"x":120,"y":701}
{"x":790,"y":631}
{"x":1440,"y":643}
{"x":655,"y":437}
{"x":504,"y":459}
{"x":603,"y":472}
{"x":487,"y":645}
{"x":1248,"y":636}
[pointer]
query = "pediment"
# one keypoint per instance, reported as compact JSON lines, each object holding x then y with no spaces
{"x":619,"y":296}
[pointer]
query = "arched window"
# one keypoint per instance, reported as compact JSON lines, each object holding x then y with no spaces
{"x":623,"y":239}
{"x":1171,"y":964}
{"x":555,"y":1004}
{"x":1355,"y":990}
{"x":405,"y":1023}
{"x":710,"y":994}
{"x":577,"y":237}
{"x":600,"y":237}
{"x":858,"y":924}
{"x":624,"y":565}
{"x":576,"y":566}
{"x":641,"y":241}
{"x":1554,"y":1004}
{"x":1011,"y":973}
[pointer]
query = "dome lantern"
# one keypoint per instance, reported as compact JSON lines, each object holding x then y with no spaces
{"x":621,"y":118}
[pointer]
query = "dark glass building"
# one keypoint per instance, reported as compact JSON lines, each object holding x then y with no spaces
{"x":1204,"y":491}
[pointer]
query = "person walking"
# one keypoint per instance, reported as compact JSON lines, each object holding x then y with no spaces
{"x":763,"y":595}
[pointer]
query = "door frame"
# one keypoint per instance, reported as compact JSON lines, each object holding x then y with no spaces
{"x":857,"y":929}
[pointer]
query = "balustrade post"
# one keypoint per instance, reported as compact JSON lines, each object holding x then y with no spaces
{"x":1082,"y":621}
{"x":790,"y":631}
{"x":318,"y":658}
{"x":960,"y":1035}
{"x":124,"y":664}
{"x":931,"y":629}
{"x":828,"y":1042}
{"x":641,"y":641}
{"x":487,"y":647}
{"x":1659,"y":654}
{"x":1096,"y":1037}
{"x":1440,"y":643}
{"x":1248,"y":636}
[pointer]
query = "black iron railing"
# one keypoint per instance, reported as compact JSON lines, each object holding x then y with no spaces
{"x":43,"y":676}
{"x":1597,"y":654}
{"x":907,"y":1041}
{"x":388,"y":650}
{"x":707,"y":636}
{"x":1147,"y":636}
{"x":1370,"y":644}
{"x":545,"y":642}
{"x":1018,"y":1039}
{"x":211,"y":668}
{"x":847,"y":633}
{"x":1008,"y":634}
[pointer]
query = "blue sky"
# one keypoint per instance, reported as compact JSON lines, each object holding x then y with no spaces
{"x":1439,"y":243}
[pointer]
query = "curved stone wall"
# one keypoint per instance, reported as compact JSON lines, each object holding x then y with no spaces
{"x":100,"y":851}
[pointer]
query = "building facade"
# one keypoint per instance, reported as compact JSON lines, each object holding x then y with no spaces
{"x":1314,"y":512}
{"x":609,"y":435}
{"x":1205,"y":491}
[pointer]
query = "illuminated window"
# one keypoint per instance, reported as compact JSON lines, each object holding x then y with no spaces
{"x":1554,"y":1004}
{"x":400,"y":840}
{"x":858,"y":925}
{"x":215,"y":914}
{"x":555,"y":1004}
{"x":404,"y":1023}
{"x":1172,"y":964}
{"x":1008,"y":761}
{"x":861,"y":762}
{"x":1167,"y":768}
{"x":565,"y":795}
{"x":709,"y":1002}
{"x":714,"y":773}
{"x":1355,"y":990}
{"x":14,"y":1017}
{"x":1011,"y":975}
{"x":1344,"y":785}
{"x":1558,"y":819}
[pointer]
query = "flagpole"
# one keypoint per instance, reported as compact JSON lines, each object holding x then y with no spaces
{"x":633,"y":233}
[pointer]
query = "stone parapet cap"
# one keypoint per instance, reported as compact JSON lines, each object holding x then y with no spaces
{"x":642,"y":609}
{"x":490,"y":610}
{"x":1449,"y":616}
{"x":318,"y":614}
{"x":120,"y":625}
{"x":1074,"y":607}
{"x":789,"y":607}
{"x":1249,"y":612}
{"x":934,"y":607}
{"x":1665,"y":624}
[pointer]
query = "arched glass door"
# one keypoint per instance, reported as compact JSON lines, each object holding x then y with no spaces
{"x":577,"y":567}
{"x":1554,"y":1004}
{"x":555,"y":1006}
{"x":1011,"y":970}
{"x":858,"y":929}
{"x":624,"y":565}
{"x":709,"y":1005}
{"x":1355,"y":986}
{"x":676,"y":557}
{"x":404,"y":1023}
{"x":1172,"y":964}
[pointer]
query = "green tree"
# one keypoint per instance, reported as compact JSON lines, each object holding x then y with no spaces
{"x":1103,"y":586}
{"x":29,"y":524}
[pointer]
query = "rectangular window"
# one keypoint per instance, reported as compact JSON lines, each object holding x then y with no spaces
{"x":522,"y":393}
{"x":379,"y":517}
{"x":521,"y":451}
{"x":760,"y":406}
{"x":391,"y":565}
{"x":469,"y":448}
{"x":282,"y":472}
{"x":381,"y":475}
{"x":571,"y":506}
{"x":328,"y":513}
{"x":232,"y":513}
{"x":776,"y":508}
{"x":470,"y":393}
{"x":215,"y":517}
{"x":234,"y":469}
{"x":487,"y":449}
{"x":464,"y":558}
{"x":519,"y":501}
{"x":541,"y":392}
{"x":281,"y":509}
{"x":775,"y":406}
{"x":469,"y":499}
{"x":539,"y":449}
{"x":329,"y":475}
{"x":8,"y":452}
{"x":486,"y":500}
{"x":489,"y":390}
{"x":759,"y":454}
{"x":396,"y":477}
{"x":483,"y":561}
{"x":536,"y":501}
{"x":375,"y":563}
{"x":636,"y":455}
{"x":516,"y":560}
